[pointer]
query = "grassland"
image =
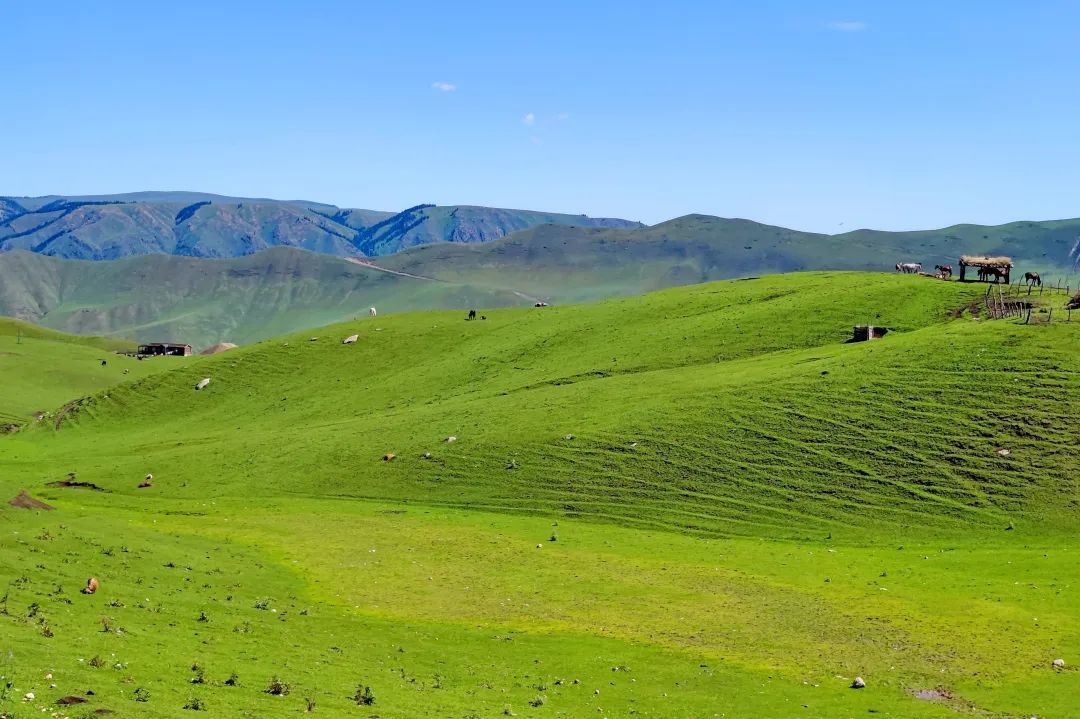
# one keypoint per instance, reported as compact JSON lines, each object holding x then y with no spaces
{"x":41,"y":369}
{"x":698,"y":503}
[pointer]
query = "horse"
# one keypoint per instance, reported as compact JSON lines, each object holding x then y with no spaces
{"x":1032,"y":278}
{"x":472,"y":314}
{"x":997,"y":273}
{"x":371,"y":311}
{"x":909,"y":268}
{"x":944,"y":270}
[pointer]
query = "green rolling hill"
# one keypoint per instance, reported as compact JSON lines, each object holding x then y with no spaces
{"x":41,"y":369}
{"x":245,"y":299}
{"x":694,"y":502}
{"x":202,"y":302}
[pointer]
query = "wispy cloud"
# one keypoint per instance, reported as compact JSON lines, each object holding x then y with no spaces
{"x":562,"y":116}
{"x":847,"y":25}
{"x":444,"y":86}
{"x":529,"y":119}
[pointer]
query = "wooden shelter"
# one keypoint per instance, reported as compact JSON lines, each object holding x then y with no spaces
{"x":164,"y":349}
{"x":1002,"y":266}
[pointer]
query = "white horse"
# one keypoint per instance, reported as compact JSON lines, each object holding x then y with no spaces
{"x":909,"y":268}
{"x":371,"y":311}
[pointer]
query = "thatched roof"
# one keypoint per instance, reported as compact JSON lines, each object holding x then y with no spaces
{"x":977,"y":261}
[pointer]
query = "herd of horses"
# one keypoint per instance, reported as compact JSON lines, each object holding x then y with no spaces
{"x":986,"y":274}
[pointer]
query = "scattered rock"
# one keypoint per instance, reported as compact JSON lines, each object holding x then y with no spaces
{"x":350,"y":339}
{"x":388,"y":456}
{"x":569,"y":436}
{"x":1003,"y":453}
{"x":28,"y":697}
{"x":202,"y":383}
{"x":427,"y":455}
{"x":451,"y":438}
{"x":92,"y":585}
{"x":1059,"y":664}
{"x":539,"y":546}
{"x":25,"y":501}
{"x":858,"y":683}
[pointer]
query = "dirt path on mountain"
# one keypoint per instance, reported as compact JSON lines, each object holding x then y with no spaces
{"x":370,"y":266}
{"x":365,"y":263}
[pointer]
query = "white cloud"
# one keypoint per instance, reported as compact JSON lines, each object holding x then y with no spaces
{"x":444,"y":86}
{"x":529,"y":119}
{"x":562,"y":116}
{"x":847,"y":25}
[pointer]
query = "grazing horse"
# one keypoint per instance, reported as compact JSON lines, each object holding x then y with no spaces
{"x":1032,"y":278}
{"x":909,"y":268}
{"x":996,"y":273}
{"x":472,"y":314}
{"x":944,"y":270}
{"x":371,"y":311}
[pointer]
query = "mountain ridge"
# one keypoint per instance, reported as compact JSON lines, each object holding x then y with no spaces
{"x":108,"y":227}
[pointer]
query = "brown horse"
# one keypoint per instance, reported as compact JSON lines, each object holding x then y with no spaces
{"x":996,"y":272}
{"x":944,"y":270}
{"x":1032,"y":278}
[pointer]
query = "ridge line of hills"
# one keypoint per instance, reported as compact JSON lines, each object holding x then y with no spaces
{"x":106,"y":227}
{"x":202,"y":301}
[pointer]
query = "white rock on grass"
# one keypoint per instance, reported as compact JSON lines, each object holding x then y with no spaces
{"x":350,"y":339}
{"x":858,"y":683}
{"x":28,"y":697}
{"x":1059,"y":664}
{"x":202,"y":383}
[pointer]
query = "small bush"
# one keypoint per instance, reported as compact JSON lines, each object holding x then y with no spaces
{"x":364,"y":696}
{"x":276,"y":687}
{"x":539,"y":701}
{"x":96,"y":661}
{"x":141,"y":694}
{"x":195,"y":704}
{"x":310,"y":704}
{"x":233,"y":680}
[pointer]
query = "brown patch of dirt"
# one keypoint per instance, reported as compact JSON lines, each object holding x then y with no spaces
{"x":65,"y":701}
{"x":25,"y":501}
{"x":77,"y":484}
{"x":941,"y":694}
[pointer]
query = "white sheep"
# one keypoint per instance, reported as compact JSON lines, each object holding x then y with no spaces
{"x":350,"y":339}
{"x":202,"y":383}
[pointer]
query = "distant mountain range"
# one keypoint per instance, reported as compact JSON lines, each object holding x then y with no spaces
{"x":192,"y":224}
{"x":244,"y":299}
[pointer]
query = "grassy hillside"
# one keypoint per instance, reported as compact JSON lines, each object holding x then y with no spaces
{"x":575,"y":264}
{"x":41,"y":369}
{"x":699,"y":502}
{"x":285,"y":289}
{"x":201,"y":302}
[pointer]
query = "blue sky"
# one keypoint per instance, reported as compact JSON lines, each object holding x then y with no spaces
{"x":816,"y":115}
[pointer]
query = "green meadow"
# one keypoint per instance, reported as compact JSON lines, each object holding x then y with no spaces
{"x":696,"y":503}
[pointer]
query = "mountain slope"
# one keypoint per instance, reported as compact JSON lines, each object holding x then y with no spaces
{"x":104,"y":227}
{"x":575,"y":264}
{"x":201,"y":302}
